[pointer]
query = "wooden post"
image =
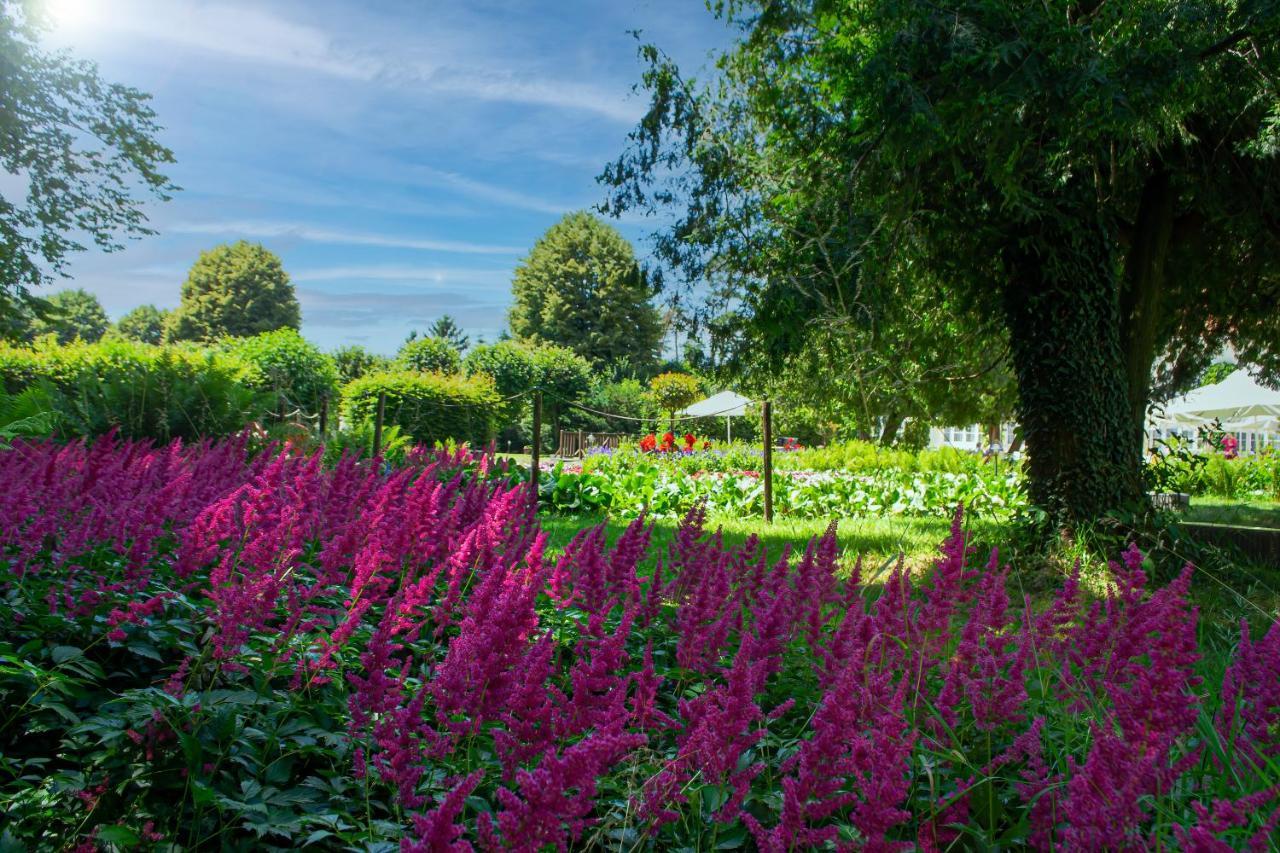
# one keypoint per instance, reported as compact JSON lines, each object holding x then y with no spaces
{"x":766,"y":416}
{"x":377,"y":422}
{"x":537,"y":442}
{"x":324,"y":415}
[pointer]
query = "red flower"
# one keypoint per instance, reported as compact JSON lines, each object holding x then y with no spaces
{"x":648,"y":443}
{"x":689,"y":440}
{"x":706,"y":445}
{"x":668,"y":438}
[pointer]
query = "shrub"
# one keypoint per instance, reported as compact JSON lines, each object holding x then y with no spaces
{"x":431,"y":407}
{"x":142,"y":391}
{"x":287,"y":366}
{"x":429,"y":355}
{"x":356,"y":361}
{"x":674,"y":391}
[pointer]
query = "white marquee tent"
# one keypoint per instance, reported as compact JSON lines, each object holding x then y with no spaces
{"x":1240,"y":403}
{"x":1234,"y":400}
{"x":726,"y":404}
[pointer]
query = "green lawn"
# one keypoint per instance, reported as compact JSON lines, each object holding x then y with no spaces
{"x":879,"y":541}
{"x":1246,"y":513}
{"x":1227,"y":587}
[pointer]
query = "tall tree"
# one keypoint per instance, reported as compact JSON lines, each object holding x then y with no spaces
{"x":1102,"y":180}
{"x":72,"y":315}
{"x":448,"y":329}
{"x":145,"y":323}
{"x":84,"y":148}
{"x":581,"y":287}
{"x":238,"y":290}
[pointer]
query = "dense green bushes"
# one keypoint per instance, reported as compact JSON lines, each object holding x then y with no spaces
{"x":431,"y":407}
{"x":289,"y":367}
{"x":139,"y":390}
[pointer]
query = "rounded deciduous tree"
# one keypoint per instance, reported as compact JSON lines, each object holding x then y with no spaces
{"x":144,"y":324}
{"x":236,"y":289}
{"x":72,"y":315}
{"x":429,"y":355}
{"x":581,"y":288}
{"x":674,"y":391}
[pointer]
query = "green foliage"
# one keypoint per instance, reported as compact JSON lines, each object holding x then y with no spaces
{"x":1087,"y":183}
{"x":357,"y":440}
{"x":355,"y":361}
{"x":509,"y":364}
{"x":237,"y":290}
{"x":144,"y":324}
{"x":71,"y":315}
{"x":580,"y":287}
{"x":142,"y":391}
{"x":1216,"y":372}
{"x":862,"y":482}
{"x":429,"y":355}
{"x":671,"y":392}
{"x":430,"y":407}
{"x":448,"y":329}
{"x":86,"y":150}
{"x":289,"y":367}
{"x":628,"y":397}
{"x":27,"y":414}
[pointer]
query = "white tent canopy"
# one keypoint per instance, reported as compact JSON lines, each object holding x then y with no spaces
{"x":726,"y":404}
{"x":1238,"y":401}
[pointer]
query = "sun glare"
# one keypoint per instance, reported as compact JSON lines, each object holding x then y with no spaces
{"x":73,"y":14}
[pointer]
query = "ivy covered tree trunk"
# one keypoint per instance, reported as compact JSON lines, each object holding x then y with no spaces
{"x":1062,"y":310}
{"x":1143,"y":283}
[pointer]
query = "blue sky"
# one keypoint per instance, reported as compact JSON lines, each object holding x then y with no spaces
{"x":400,"y":156}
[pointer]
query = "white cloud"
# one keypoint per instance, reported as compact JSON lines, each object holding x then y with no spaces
{"x":244,"y":32}
{"x":492,"y":192}
{"x":312,"y":234}
{"x":251,"y":34}
{"x":436,"y":275}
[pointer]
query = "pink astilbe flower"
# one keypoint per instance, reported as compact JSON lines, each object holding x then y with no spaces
{"x":857,"y":763}
{"x":437,"y":830}
{"x":1249,"y":716}
{"x":554,"y":802}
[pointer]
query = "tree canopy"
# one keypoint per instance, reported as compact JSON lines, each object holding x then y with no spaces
{"x":71,"y":315}
{"x":1098,"y":182}
{"x":85,"y":149}
{"x":580,"y":287}
{"x":429,"y":355}
{"x":146,"y":324}
{"x":238,"y":290}
{"x":448,"y":329}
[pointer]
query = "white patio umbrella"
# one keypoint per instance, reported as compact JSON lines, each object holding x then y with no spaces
{"x":726,"y":404}
{"x":1238,"y":398}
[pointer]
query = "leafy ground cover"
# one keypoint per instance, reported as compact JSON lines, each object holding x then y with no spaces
{"x":206,"y":648}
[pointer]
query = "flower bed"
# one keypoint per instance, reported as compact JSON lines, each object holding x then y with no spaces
{"x":660,"y":487}
{"x":202,"y":648}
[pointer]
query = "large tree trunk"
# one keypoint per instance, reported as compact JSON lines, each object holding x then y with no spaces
{"x":892,"y":423}
{"x":1141,"y":290}
{"x":1062,"y":311}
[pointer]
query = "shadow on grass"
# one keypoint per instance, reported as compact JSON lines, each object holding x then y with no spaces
{"x":879,"y":541}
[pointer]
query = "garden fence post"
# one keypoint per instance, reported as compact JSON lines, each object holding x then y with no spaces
{"x":377,"y":422}
{"x":766,"y":416}
{"x":537,"y":442}
{"x":324,"y":415}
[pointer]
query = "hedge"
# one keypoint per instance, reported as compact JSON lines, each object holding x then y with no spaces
{"x":139,"y":390}
{"x":288,"y":366}
{"x":431,"y":407}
